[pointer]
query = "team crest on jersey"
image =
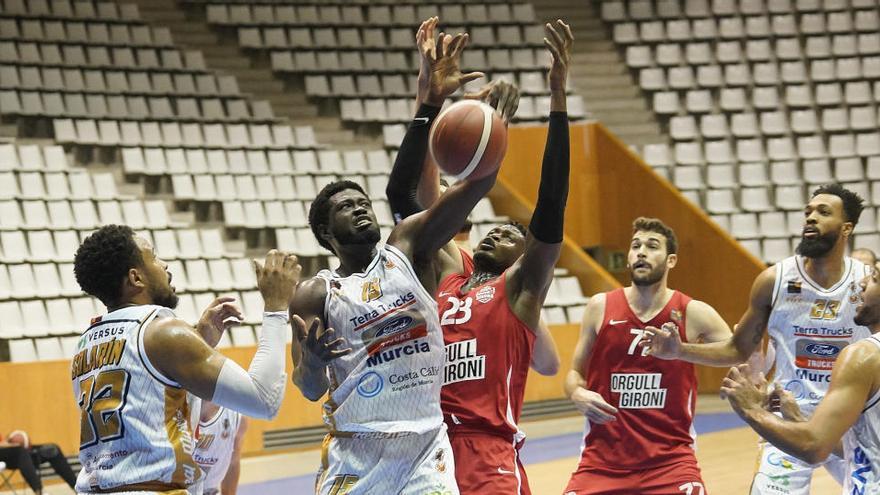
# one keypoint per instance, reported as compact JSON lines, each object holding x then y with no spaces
{"x":226,"y":427}
{"x":440,"y":460}
{"x":371,"y":290}
{"x":794,"y":287}
{"x":334,"y":284}
{"x":389,"y":265}
{"x":675,"y":315}
{"x":486,"y":294}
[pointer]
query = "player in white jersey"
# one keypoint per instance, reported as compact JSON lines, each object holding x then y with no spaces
{"x":850,"y":409}
{"x":218,"y":448}
{"x":806,"y":304}
{"x":135,"y":364}
{"x":374,"y":340}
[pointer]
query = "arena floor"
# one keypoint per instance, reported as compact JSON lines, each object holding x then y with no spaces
{"x":725,"y":447}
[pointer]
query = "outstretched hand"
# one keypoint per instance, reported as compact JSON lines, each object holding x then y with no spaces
{"x":558,"y":41}
{"x":221,"y":315}
{"x":321,"y":348}
{"x":500,"y":95}
{"x":439,"y":71}
{"x":662,"y":343}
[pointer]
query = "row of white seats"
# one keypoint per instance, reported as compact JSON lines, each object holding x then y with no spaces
{"x":97,"y":106}
{"x":830,"y":120}
{"x":375,"y":15}
{"x":753,"y":26}
{"x":112,"y":82}
{"x":784,"y":173}
{"x":41,"y":246}
{"x":722,"y":177}
{"x":371,"y":60}
{"x":571,"y":315}
{"x":773,"y":250}
{"x":80,"y":214}
{"x":781,"y":224}
{"x":738,"y":73}
{"x":86,"y":32}
{"x":49,"y":316}
{"x":759,"y":199}
{"x":76,"y":184}
{"x":176,"y":134}
{"x":25,"y":157}
{"x":99,"y":56}
{"x":824,"y":94}
{"x":400,"y":109}
{"x":75,"y":9}
{"x":379,"y":38}
{"x":265,"y":187}
{"x":700,"y":101}
{"x":367,"y":85}
{"x":777,"y":149}
{"x":620,"y":10}
{"x":281,"y":163}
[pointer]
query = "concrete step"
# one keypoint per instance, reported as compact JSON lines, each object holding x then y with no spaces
{"x":595,"y":57}
{"x":588,"y":81}
{"x":608,"y":92}
{"x":629,"y":117}
{"x":577,"y":71}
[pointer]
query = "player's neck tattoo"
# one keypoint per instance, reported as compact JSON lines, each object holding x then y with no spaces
{"x":480,"y":278}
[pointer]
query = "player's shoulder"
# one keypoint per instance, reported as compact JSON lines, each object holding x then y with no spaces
{"x":310,"y":294}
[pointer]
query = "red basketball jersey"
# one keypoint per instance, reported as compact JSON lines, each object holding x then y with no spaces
{"x":655,"y":398}
{"x":488,"y":351}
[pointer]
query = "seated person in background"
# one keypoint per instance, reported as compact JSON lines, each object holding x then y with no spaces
{"x":18,"y":453}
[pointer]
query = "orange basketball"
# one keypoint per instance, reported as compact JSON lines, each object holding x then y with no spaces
{"x":468,"y":140}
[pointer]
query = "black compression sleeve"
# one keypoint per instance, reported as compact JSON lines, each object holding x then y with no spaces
{"x":404,"y":180}
{"x":549,"y":216}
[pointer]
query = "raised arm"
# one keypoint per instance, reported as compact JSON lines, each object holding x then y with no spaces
{"x":529,"y":278}
{"x":663,"y":344}
{"x":182,"y":355}
{"x":852,"y":384}
{"x":590,"y":403}
{"x":313,"y":346}
{"x":439,"y":76}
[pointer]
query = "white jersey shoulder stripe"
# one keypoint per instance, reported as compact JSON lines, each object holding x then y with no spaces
{"x":142,"y":353}
{"x":403,"y":260}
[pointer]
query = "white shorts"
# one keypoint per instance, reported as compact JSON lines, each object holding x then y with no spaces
{"x":414,"y":464}
{"x":781,"y":474}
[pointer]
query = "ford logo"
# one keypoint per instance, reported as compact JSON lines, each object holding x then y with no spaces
{"x":822,"y":350}
{"x":395,"y":326}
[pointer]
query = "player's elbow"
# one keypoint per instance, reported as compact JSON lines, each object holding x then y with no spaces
{"x":549,"y":367}
{"x":815,"y":452}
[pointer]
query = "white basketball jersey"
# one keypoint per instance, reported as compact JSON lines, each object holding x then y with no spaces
{"x":135,"y":422}
{"x":861,"y":447}
{"x":390,"y":383}
{"x":809,"y":326}
{"x":216,"y":440}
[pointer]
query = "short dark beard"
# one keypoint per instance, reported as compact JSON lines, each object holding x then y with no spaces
{"x":483,"y":262}
{"x":818,"y":247}
{"x":369,"y":237}
{"x":652,"y":278}
{"x":168,"y":300}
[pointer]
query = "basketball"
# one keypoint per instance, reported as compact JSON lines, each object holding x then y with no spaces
{"x":19,"y":437}
{"x":468,"y":140}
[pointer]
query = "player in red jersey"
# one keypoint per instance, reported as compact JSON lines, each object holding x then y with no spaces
{"x":639,"y":409}
{"x":490,"y":309}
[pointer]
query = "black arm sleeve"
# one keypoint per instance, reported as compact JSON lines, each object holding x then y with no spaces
{"x":549,"y":216}
{"x":404,"y":180}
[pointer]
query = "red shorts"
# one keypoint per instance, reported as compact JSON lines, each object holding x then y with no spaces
{"x":486,"y":463}
{"x":680,"y":478}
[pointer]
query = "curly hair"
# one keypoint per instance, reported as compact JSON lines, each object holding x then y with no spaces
{"x":645,"y":224}
{"x":853,"y":204}
{"x":319,"y":212}
{"x":103,"y":259}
